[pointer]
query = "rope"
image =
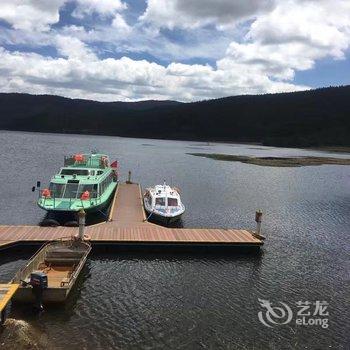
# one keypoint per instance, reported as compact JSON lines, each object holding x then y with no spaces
{"x":104,"y":214}
{"x":149,"y":216}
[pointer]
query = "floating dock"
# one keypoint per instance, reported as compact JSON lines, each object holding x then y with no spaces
{"x":127,"y":226}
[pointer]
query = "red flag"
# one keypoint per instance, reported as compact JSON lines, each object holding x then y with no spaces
{"x":114,"y":164}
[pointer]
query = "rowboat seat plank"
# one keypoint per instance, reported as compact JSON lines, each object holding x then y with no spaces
{"x":57,"y":274}
{"x":62,"y":261}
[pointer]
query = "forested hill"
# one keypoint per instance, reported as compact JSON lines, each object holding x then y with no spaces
{"x":310,"y":118}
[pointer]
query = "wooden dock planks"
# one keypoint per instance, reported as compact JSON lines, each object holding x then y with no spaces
{"x":127,"y":207}
{"x":127,"y":225}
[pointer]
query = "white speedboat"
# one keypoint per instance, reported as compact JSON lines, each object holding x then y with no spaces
{"x":163,"y":203}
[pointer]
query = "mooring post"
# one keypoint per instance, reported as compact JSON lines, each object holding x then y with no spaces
{"x":81,"y":216}
{"x":129,"y":178}
{"x":258,"y":219}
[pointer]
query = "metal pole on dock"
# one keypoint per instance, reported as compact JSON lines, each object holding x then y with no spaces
{"x":81,"y":216}
{"x":129,"y":178}
{"x":258,"y":219}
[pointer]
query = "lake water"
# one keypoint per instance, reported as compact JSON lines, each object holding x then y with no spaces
{"x":162,"y":301}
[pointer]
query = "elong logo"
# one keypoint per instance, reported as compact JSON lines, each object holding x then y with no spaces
{"x":282,"y":314}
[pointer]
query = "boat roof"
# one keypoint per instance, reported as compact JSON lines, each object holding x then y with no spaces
{"x":164,"y":191}
{"x":90,"y":180}
{"x":83,"y":167}
{"x":84,"y":160}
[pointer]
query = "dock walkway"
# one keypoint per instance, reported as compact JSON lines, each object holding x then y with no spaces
{"x":127,"y":226}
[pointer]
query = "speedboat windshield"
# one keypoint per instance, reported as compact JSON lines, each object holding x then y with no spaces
{"x":163,"y":202}
{"x":172,"y":202}
{"x":160,"y":201}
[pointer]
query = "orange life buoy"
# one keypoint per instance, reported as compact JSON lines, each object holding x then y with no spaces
{"x":85,"y":196}
{"x":79,"y":157}
{"x":46,"y":193}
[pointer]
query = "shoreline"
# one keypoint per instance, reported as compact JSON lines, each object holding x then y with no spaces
{"x":331,"y":149}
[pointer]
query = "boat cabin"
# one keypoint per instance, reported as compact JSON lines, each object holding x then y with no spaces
{"x":162,"y":196}
{"x":75,"y":186}
{"x":163,"y":203}
{"x":86,"y":181}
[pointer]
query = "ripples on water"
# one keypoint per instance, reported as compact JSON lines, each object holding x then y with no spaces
{"x":130,"y":301}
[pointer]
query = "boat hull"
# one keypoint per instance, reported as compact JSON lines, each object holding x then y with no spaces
{"x":166,"y":220}
{"x":50,"y":295}
{"x":89,"y":210}
{"x":64,"y":216}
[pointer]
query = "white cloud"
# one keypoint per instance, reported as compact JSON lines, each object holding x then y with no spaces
{"x":120,"y":25}
{"x":38,"y":15}
{"x":73,"y":48}
{"x":293,"y":37}
{"x":31,"y":14}
{"x":196,"y":13}
{"x":126,"y":79}
{"x":144,"y":39}
{"x":281,"y":38}
{"x":317,"y":24}
{"x":101,"y":7}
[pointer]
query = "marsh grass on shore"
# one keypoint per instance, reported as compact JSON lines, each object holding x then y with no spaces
{"x":275,"y":161}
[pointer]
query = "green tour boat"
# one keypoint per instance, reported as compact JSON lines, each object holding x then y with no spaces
{"x":87,"y":181}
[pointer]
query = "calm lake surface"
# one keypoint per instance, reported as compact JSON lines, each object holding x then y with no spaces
{"x":162,"y":301}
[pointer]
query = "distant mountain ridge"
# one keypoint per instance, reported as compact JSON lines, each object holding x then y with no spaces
{"x":318,"y":117}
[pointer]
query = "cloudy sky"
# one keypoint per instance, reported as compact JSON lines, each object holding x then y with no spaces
{"x":183,"y":50}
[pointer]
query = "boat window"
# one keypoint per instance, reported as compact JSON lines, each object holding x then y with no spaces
{"x":95,"y":191}
{"x":56,"y":190}
{"x":71,"y":191}
{"x":102,"y":187}
{"x":160,"y":201}
{"x":172,"y":202}
{"x":83,"y":188}
{"x":99,"y":172}
{"x":74,"y":171}
{"x":105,"y":183}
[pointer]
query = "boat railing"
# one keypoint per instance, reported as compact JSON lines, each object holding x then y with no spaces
{"x":32,"y":264}
{"x":77,"y":269}
{"x":69,"y":161}
{"x":51,"y":199}
{"x":87,"y":161}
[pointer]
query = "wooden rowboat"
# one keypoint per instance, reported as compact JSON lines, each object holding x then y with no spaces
{"x":60,"y":262}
